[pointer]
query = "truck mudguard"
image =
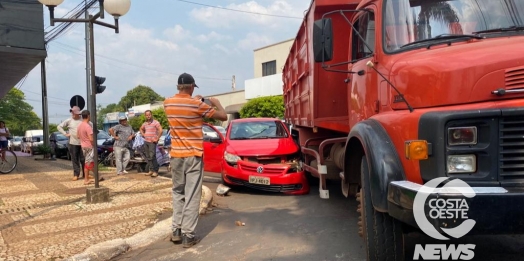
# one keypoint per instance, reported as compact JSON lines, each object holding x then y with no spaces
{"x":384,"y":163}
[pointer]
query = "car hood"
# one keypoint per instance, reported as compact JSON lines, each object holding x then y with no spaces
{"x":459,"y":73}
{"x":262,"y":147}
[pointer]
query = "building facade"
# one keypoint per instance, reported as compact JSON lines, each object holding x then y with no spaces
{"x":268,"y":64}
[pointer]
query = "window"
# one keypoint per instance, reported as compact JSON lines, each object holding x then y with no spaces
{"x":366,"y":28}
{"x":269,"y":68}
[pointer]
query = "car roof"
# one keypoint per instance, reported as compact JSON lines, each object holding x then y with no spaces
{"x":255,"y":119}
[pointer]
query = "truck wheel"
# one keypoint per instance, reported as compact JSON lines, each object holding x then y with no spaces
{"x":382,"y":234}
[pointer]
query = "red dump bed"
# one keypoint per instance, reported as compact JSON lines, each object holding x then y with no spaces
{"x":314,"y":97}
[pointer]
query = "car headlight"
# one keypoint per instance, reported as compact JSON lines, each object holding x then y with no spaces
{"x":462,"y":164}
{"x":231,"y":158}
{"x":462,"y":136}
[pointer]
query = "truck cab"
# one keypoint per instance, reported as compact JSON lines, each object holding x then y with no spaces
{"x":391,"y":96}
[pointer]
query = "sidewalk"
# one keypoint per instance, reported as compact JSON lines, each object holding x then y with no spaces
{"x":44,"y":216}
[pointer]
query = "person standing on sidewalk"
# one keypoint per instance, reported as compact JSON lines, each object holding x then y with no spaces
{"x":4,"y":142}
{"x":85,"y":135}
{"x":74,"y":143}
{"x":185,"y":115}
{"x":151,"y":130}
{"x":123,"y":134}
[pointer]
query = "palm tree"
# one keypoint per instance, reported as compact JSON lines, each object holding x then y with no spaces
{"x":441,"y":12}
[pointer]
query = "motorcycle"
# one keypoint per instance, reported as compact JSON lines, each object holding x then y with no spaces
{"x":105,"y":153}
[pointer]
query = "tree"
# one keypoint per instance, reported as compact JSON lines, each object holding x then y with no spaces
{"x":52,"y":127}
{"x":271,"y":106}
{"x":17,"y":114}
{"x":139,"y":95}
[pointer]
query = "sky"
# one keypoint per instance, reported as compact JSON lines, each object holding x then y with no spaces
{"x":159,"y":40}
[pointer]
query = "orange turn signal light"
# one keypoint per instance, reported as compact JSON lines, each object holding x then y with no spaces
{"x":416,"y":149}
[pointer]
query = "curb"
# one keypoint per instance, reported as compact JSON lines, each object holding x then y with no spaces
{"x":105,"y":251}
{"x":212,"y":179}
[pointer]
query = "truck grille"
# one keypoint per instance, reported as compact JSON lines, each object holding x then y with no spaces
{"x":511,"y":153}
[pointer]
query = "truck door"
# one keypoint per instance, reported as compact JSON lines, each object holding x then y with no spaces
{"x":363,"y":92}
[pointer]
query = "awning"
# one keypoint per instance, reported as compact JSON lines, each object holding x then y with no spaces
{"x":15,"y":63}
{"x":234,"y":108}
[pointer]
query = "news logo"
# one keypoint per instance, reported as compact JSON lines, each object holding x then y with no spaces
{"x":448,"y":214}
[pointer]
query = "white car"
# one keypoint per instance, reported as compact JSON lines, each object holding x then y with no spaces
{"x":15,"y":143}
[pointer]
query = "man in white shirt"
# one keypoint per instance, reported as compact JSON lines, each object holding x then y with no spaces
{"x":74,"y":143}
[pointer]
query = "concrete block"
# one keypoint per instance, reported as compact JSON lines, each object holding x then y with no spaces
{"x":97,"y":195}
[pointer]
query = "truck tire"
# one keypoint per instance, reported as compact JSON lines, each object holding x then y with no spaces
{"x":382,"y":234}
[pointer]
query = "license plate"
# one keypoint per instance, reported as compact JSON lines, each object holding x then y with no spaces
{"x":258,"y":180}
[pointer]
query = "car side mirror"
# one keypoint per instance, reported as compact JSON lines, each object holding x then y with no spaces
{"x":212,"y":139}
{"x":215,"y":140}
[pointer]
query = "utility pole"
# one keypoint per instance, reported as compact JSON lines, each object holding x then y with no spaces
{"x":233,"y":83}
{"x":88,"y":61}
{"x":45,"y":116}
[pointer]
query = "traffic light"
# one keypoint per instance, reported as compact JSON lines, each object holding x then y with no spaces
{"x":99,"y":81}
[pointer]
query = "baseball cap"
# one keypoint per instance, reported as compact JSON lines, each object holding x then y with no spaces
{"x":186,"y":78}
{"x":121,"y":118}
{"x":75,"y":110}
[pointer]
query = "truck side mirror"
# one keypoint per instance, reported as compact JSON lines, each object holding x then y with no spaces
{"x":323,"y":40}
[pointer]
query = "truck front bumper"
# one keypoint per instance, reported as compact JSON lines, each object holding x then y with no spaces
{"x":496,"y":210}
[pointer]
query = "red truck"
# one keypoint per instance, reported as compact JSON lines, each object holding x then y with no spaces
{"x":386,"y":95}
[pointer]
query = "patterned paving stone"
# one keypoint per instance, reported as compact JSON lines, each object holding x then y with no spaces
{"x":44,"y":214}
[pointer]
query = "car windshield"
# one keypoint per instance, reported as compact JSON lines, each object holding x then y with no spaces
{"x":410,"y":21}
{"x":60,"y":137}
{"x":102,"y":135}
{"x":257,"y":130}
{"x":17,"y":139}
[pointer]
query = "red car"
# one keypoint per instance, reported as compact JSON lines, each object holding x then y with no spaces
{"x":257,"y":153}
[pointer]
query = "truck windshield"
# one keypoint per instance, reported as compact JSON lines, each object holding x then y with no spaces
{"x":409,"y":21}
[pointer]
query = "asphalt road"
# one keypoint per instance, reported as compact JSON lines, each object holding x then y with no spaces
{"x":281,"y":227}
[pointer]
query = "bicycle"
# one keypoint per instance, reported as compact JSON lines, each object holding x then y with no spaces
{"x":8,"y":164}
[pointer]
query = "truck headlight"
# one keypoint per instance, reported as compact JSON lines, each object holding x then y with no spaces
{"x":462,"y":164}
{"x":231,"y":158}
{"x":462,"y":136}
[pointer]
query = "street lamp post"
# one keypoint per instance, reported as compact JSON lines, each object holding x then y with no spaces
{"x":116,"y":8}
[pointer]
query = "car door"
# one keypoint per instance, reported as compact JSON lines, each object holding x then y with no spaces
{"x":214,"y":145}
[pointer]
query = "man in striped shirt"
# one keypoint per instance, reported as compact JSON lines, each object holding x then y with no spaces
{"x":185,"y":115}
{"x":151,"y":130}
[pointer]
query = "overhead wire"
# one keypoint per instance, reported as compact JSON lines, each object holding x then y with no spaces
{"x":240,"y":11}
{"x":135,"y":65}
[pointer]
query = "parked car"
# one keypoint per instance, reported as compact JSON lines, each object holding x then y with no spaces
{"x":258,"y":153}
{"x":62,"y":143}
{"x":221,"y":129}
{"x":15,"y":143}
{"x":162,"y":138}
{"x":101,"y":137}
